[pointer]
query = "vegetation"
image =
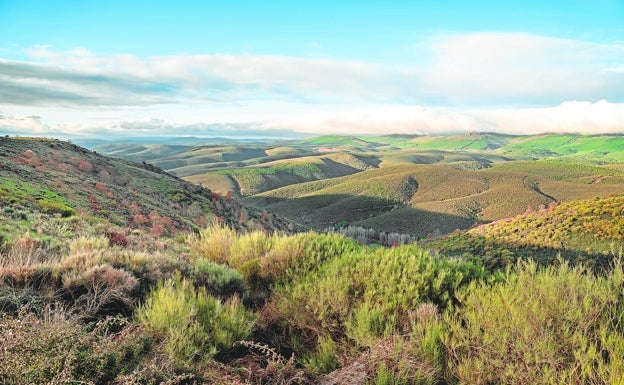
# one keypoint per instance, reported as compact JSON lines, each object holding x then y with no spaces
{"x":54,"y":177}
{"x":589,"y":231}
{"x":89,"y":295}
{"x":425,"y":186}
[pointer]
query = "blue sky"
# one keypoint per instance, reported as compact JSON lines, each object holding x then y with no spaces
{"x":277,"y":67}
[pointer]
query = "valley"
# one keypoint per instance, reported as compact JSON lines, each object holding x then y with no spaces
{"x":421,"y":185}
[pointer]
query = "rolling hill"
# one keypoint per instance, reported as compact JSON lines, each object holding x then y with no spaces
{"x":589,"y":231}
{"x":430,"y":200}
{"x":456,"y":181}
{"x":104,"y":278}
{"x":59,"y":178}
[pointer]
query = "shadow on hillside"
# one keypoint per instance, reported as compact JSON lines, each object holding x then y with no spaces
{"x":328,"y":210}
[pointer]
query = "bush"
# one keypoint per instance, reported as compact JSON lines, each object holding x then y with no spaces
{"x":58,"y":349}
{"x":101,"y":290}
{"x":213,"y":243}
{"x":54,"y":207}
{"x":196,"y":325}
{"x":357,"y":298}
{"x":415,"y":357}
{"x":265,"y":259}
{"x":116,"y":238}
{"x":558,"y":325}
{"x":218,"y":279}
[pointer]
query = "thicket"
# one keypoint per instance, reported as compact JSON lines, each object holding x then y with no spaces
{"x":225,"y":307}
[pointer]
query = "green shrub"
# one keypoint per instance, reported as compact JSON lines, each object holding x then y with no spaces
{"x":558,"y":325}
{"x":250,"y":246}
{"x":213,"y":243}
{"x":55,"y":207}
{"x":218,"y":279}
{"x":325,"y":358}
{"x":12,"y":300}
{"x":265,"y":259}
{"x":196,"y":325}
{"x":357,"y":298}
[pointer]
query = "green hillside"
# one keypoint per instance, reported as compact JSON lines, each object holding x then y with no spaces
{"x":431,"y":200}
{"x":589,"y":231}
{"x":598,"y":149}
{"x":462,"y":180}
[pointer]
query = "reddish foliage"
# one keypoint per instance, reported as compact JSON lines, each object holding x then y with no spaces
{"x":29,"y":154}
{"x":201,"y":221}
{"x":134,"y":208}
{"x":157,"y":230}
{"x":94,"y":203}
{"x":140,"y":219}
{"x":84,"y":165}
{"x":116,"y":238}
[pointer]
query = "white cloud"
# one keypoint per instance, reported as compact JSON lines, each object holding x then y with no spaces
{"x":569,"y":117}
{"x":22,"y":125}
{"x":463,"y":82}
{"x":470,"y":69}
{"x":523,"y":68}
{"x":601,"y":117}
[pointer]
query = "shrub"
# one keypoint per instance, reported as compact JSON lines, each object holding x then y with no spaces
{"x":213,"y":243}
{"x":13,"y":300}
{"x":554,"y":325}
{"x":116,"y":238}
{"x":218,"y":279}
{"x":87,"y":244}
{"x":357,"y":298}
{"x":196,"y":325}
{"x":101,"y":290}
{"x":55,"y":207}
{"x":415,"y":357}
{"x":58,"y":349}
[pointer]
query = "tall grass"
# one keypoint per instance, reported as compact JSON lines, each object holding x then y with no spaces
{"x":558,"y":325}
{"x":195,"y":324}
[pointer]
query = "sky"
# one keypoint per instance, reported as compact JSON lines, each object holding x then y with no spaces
{"x":117,"y":69}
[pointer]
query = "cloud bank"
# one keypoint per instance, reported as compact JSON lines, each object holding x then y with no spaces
{"x":506,"y":82}
{"x":601,"y":117}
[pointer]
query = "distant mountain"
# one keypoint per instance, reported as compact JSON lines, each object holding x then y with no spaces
{"x":190,"y":141}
